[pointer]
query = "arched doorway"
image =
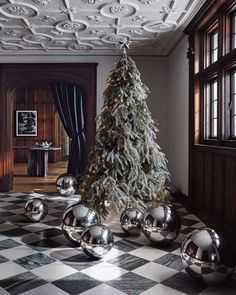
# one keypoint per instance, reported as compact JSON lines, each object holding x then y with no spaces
{"x":15,"y":76}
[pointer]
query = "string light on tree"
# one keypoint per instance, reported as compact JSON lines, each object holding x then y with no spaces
{"x":126,"y":165}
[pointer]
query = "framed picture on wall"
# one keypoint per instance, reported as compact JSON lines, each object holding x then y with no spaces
{"x":26,"y":123}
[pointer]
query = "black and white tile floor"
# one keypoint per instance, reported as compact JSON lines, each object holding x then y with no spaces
{"x":36,"y":258}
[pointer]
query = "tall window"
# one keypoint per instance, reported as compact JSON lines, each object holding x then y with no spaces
{"x":233,"y":31}
{"x":211,"y":116}
{"x":213,"y":46}
{"x":215,"y":78}
{"x":232,"y":105}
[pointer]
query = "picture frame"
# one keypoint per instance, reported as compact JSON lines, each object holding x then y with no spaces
{"x":26,"y":123}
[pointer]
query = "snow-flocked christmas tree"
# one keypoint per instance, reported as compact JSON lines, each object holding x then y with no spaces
{"x":126,"y":165}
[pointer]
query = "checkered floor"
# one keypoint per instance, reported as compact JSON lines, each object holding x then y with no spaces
{"x":36,"y":258}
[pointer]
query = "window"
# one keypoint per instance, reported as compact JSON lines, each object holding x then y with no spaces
{"x":233,"y":31}
{"x":213,"y":47}
{"x":211,"y":116}
{"x":232,"y":105}
{"x":214,"y":77}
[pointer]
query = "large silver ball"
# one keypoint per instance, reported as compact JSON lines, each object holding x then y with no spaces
{"x":161,"y":224}
{"x":66,"y":185}
{"x":130,"y":221}
{"x":96,"y":241}
{"x":76,"y":218}
{"x":207,"y":257}
{"x":36,"y":209}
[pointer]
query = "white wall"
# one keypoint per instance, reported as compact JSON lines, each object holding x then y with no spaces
{"x":177,"y":118}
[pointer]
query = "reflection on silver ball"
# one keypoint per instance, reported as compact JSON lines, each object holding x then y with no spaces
{"x":206,"y":257}
{"x":161,"y":224}
{"x":36,"y":209}
{"x":66,"y":185}
{"x":131,"y":221}
{"x":76,"y":218}
{"x":96,"y":241}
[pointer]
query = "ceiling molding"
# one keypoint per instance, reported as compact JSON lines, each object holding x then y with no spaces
{"x":92,"y":27}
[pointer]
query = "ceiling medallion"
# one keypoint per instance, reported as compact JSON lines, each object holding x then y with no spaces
{"x":119,"y":9}
{"x":159,"y":26}
{"x":147,"y":2}
{"x":17,"y":10}
{"x":42,"y":2}
{"x":92,"y":2}
{"x":71,"y":26}
{"x":37,"y":38}
{"x":112,"y":10}
{"x":82,"y":46}
{"x":113,"y":38}
{"x":10,"y":47}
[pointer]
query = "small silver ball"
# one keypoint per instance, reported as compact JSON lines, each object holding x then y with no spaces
{"x":36,"y":209}
{"x":66,"y":185}
{"x":96,"y":241}
{"x":131,"y":221}
{"x":207,"y":257}
{"x":161,"y":224}
{"x":76,"y":218}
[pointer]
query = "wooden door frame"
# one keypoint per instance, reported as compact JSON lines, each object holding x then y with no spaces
{"x":13,"y":76}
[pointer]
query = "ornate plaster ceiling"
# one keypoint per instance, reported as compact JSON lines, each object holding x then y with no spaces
{"x":92,"y":26}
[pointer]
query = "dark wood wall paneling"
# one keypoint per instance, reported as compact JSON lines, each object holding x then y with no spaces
{"x":38,"y":97}
{"x":13,"y":76}
{"x":212,"y":169}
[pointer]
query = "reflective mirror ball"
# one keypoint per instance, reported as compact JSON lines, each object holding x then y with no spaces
{"x":96,"y":241}
{"x":161,"y":224}
{"x":130,"y":221}
{"x":207,"y":257}
{"x":76,"y":218}
{"x":66,"y":185}
{"x":36,"y":209}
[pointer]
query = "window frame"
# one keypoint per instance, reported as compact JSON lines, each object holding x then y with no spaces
{"x":221,"y":68}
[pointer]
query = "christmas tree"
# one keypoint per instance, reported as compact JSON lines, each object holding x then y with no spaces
{"x":126,"y":165}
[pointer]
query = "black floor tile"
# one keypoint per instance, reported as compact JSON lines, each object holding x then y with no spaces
{"x":184,"y":283}
{"x":76,"y":283}
{"x":128,"y":262}
{"x":131,"y":283}
{"x":34,"y":261}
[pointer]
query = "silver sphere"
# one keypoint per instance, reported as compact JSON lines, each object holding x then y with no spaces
{"x":206,"y":257}
{"x":76,"y":218}
{"x":96,"y":241}
{"x":161,"y":224}
{"x":130,"y":221}
{"x":36,"y":209}
{"x":66,"y":185}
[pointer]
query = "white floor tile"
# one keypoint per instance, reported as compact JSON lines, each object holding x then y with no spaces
{"x":103,"y":289}
{"x":155,"y":272}
{"x":47,"y":289}
{"x":148,"y":253}
{"x":54,"y":271}
{"x":161,"y":290}
{"x":18,"y":252}
{"x":10,"y":269}
{"x":112,"y":254}
{"x":104,"y":272}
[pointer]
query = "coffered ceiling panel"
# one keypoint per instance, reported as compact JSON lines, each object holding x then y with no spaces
{"x":92,"y":26}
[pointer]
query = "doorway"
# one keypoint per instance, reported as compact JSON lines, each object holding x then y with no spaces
{"x":14,"y":77}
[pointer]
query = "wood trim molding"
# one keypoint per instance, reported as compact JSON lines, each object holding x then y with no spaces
{"x":17,"y":75}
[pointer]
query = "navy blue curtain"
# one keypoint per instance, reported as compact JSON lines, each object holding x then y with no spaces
{"x":70,"y":102}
